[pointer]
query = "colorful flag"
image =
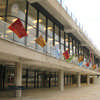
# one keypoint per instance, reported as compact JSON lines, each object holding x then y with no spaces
{"x":81,"y":64}
{"x":88,"y":65}
{"x":80,"y":59}
{"x":94,"y":66}
{"x":18,"y":28}
{"x":40,"y":40}
{"x":70,"y":58}
{"x":66,"y":54}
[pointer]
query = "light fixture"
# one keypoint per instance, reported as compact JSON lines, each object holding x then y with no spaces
{"x":56,"y":42}
{"x":70,"y":43}
{"x":25,"y":11}
{"x":8,"y":31}
{"x":14,"y":20}
{"x":49,"y":28}
{"x":32,"y":41}
{"x":66,"y":39}
{"x":50,"y":39}
{"x":29,"y":27}
{"x":35,"y":21}
{"x":1,"y":18}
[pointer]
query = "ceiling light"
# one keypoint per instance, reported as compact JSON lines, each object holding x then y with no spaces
{"x":49,"y":28}
{"x":56,"y":42}
{"x":29,"y":27}
{"x":50,"y":39}
{"x":8,"y":31}
{"x":35,"y":21}
{"x":32,"y":41}
{"x":66,"y":39}
{"x":14,"y":20}
{"x":1,"y":18}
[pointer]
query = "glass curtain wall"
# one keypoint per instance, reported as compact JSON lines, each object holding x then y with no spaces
{"x":62,"y":43}
{"x":32,"y":26}
{"x":66,"y":40}
{"x":50,"y":38}
{"x":42,"y":30}
{"x":16,"y":9}
{"x":2,"y":9}
{"x":35,"y":23}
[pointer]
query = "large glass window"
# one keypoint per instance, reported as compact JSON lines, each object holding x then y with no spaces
{"x":2,"y":9}
{"x":32,"y":25}
{"x":50,"y":38}
{"x":62,"y":43}
{"x":66,"y":41}
{"x":42,"y":30}
{"x":16,"y":9}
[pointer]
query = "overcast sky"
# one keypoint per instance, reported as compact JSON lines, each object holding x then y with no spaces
{"x":88,"y":14}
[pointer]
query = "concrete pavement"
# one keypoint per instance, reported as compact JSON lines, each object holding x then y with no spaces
{"x":84,"y":93}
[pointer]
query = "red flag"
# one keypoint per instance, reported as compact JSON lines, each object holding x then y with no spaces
{"x":87,"y":64}
{"x":18,"y":28}
{"x":66,"y":54}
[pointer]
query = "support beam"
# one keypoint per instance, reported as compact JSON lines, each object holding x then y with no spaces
{"x":79,"y":80}
{"x":61,"y":81}
{"x":18,"y":79}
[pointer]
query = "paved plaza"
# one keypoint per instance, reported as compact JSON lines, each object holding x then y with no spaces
{"x":84,"y":93}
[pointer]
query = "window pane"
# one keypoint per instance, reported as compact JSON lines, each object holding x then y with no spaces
{"x":31,"y":29}
{"x":2,"y":9}
{"x":16,"y":9}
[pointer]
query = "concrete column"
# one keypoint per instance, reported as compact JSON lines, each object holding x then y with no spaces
{"x":18,"y":79}
{"x":61,"y":81}
{"x":88,"y":80}
{"x":79,"y":80}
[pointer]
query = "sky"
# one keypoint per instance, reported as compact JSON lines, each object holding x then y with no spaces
{"x":87,"y":13}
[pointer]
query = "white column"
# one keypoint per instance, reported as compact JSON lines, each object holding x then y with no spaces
{"x":79,"y":80}
{"x":88,"y":80}
{"x":61,"y":81}
{"x":18,"y":79}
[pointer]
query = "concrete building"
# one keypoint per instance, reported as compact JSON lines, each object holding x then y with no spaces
{"x":26,"y":65}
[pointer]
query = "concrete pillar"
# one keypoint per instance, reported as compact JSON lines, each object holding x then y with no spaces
{"x":88,"y":80}
{"x":79,"y":80}
{"x":61,"y":81}
{"x":18,"y":79}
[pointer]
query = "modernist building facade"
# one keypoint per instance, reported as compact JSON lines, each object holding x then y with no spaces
{"x":24,"y":64}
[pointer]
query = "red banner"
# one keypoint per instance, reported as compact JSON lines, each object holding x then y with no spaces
{"x":18,"y":28}
{"x":66,"y":54}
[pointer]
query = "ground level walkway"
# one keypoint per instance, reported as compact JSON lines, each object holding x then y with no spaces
{"x":83,"y":93}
